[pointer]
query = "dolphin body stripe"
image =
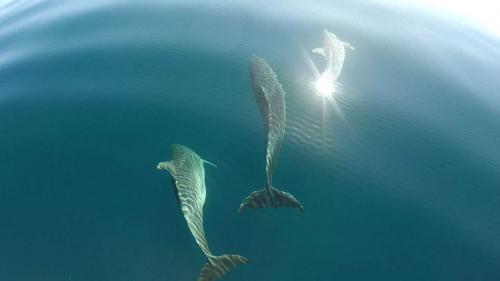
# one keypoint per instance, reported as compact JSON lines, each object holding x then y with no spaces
{"x":187,"y":170}
{"x":270,"y":98}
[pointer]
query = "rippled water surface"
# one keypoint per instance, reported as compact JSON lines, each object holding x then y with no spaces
{"x":399,"y":182}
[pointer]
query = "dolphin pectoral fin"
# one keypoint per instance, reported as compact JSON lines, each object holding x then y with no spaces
{"x":219,"y":266}
{"x":270,"y":198}
{"x":208,"y":162}
{"x":319,"y":51}
{"x":164,"y":166}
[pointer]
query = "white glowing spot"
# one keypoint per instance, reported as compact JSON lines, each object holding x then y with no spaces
{"x":324,"y":86}
{"x":333,"y":51}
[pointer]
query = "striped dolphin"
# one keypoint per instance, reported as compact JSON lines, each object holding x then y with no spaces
{"x":270,"y":98}
{"x":188,"y":173}
{"x":333,"y":51}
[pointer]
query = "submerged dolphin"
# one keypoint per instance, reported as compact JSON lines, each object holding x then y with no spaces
{"x":271,"y":101}
{"x":187,"y":170}
{"x":333,"y":50}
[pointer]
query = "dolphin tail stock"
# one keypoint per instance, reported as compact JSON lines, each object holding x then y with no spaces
{"x":218,"y":266}
{"x":270,"y":197}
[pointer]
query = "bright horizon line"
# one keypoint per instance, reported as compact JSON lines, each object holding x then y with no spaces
{"x":482,"y":14}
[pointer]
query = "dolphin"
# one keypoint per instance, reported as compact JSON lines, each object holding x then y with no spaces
{"x":270,"y":98}
{"x":188,"y":173}
{"x":333,"y":51}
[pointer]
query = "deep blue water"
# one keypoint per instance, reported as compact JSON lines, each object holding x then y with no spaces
{"x":403,"y":184}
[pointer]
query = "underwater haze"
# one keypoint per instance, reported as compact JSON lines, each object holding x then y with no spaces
{"x":399,"y":176}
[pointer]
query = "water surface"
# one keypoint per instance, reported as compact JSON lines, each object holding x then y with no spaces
{"x":403,"y":184}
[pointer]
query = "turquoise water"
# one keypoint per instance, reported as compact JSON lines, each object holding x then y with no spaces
{"x":401,"y":183}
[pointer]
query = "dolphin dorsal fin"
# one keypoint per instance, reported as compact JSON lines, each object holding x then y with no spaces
{"x":319,"y":51}
{"x":208,"y":162}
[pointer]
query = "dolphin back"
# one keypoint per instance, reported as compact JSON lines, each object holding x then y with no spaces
{"x":270,"y":98}
{"x":187,"y":170}
{"x":189,"y":176}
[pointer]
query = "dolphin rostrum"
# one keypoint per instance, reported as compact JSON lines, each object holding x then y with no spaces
{"x":270,"y":98}
{"x":188,"y":173}
{"x":333,"y":51}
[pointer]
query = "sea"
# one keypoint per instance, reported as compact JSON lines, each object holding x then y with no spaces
{"x":398,"y":172}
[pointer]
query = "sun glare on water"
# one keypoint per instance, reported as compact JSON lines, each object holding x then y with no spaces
{"x":324,"y":87}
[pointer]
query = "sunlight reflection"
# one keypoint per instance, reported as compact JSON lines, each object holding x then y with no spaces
{"x":325,"y":83}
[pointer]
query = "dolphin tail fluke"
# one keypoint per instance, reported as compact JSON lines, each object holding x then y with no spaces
{"x":219,"y":266}
{"x":270,"y":197}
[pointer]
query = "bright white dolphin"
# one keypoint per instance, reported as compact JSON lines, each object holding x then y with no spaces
{"x":333,"y":51}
